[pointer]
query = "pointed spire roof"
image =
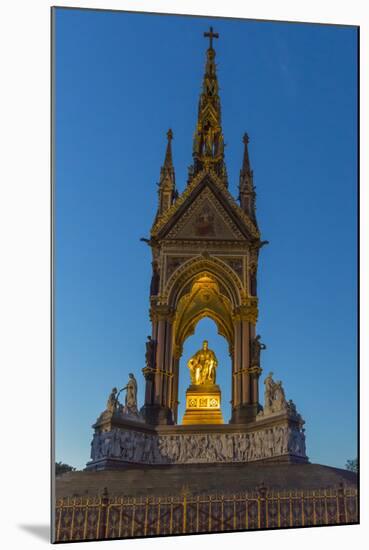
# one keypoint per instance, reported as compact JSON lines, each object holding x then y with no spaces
{"x":168,"y":161}
{"x":167,"y":182}
{"x":246,"y":186}
{"x":208,"y":145}
{"x":246,"y":170}
{"x":167,"y":175}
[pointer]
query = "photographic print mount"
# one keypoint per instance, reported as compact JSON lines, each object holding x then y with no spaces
{"x":205,"y":246}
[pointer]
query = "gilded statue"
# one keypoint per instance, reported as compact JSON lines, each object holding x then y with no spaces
{"x":202,"y":366}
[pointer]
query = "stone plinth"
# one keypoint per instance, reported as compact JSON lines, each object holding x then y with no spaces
{"x":203,"y":405}
{"x":121,"y":442}
{"x":160,"y":480}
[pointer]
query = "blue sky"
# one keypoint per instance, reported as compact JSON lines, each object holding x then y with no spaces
{"x":121,"y":80}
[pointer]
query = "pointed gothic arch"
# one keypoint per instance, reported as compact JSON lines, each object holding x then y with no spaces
{"x":202,"y":287}
{"x":216,"y":268}
{"x":204,"y":299}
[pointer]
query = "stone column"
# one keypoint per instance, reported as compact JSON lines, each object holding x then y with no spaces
{"x":244,"y":316}
{"x":149,"y":386}
{"x":255,"y":372}
{"x":177,"y":352}
{"x":236,"y":365}
{"x":168,"y":364}
{"x":160,"y":350}
{"x":150,"y":369}
{"x":156,"y":409}
{"x":233,"y":394}
{"x":245,"y":362}
{"x":252,"y":331}
{"x":255,"y":375}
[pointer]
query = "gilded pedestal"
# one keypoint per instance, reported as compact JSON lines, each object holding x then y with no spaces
{"x":203,"y":405}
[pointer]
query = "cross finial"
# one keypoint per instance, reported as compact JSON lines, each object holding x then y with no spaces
{"x":211,"y":35}
{"x":245,"y":138}
{"x":169,"y":134}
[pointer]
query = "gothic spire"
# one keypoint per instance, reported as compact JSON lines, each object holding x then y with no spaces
{"x":208,"y":145}
{"x":167,"y":184}
{"x":246,"y":169}
{"x":246,"y":185}
{"x":168,"y":161}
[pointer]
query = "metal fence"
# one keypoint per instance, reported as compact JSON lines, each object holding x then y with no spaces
{"x":107,"y":517}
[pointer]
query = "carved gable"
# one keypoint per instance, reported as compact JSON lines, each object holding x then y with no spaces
{"x":205,"y":218}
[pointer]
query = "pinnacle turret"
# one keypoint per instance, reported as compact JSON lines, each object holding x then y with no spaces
{"x":208,"y":144}
{"x":167,"y":184}
{"x":246,"y":186}
{"x":168,"y":161}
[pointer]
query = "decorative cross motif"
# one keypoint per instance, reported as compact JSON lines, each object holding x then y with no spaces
{"x":211,"y":35}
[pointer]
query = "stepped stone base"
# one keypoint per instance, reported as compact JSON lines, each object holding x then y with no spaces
{"x":162,"y":480}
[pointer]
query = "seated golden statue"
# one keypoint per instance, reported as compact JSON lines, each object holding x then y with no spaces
{"x":202,"y":366}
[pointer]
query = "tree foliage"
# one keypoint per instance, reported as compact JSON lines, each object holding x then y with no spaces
{"x":61,"y":468}
{"x":352,"y":465}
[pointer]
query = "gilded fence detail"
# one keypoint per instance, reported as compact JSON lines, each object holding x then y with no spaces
{"x":125,"y":517}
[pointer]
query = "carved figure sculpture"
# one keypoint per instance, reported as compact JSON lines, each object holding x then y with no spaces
{"x":139,"y":445}
{"x":155,"y":279}
{"x":113,"y":402}
{"x":150,"y":353}
{"x":296,"y":441}
{"x":203,"y":366}
{"x":303,"y":442}
{"x":96,"y":446}
{"x":256,"y":347}
{"x":270,"y":442}
{"x":274,"y":398}
{"x":131,"y":394}
{"x":291,"y":407}
{"x":147,"y":449}
{"x":209,"y":140}
{"x":279,"y":396}
{"x":268,"y":392}
{"x":144,"y":448}
{"x":219,"y":448}
{"x":107,"y":446}
{"x":116,"y":443}
{"x":124,"y":439}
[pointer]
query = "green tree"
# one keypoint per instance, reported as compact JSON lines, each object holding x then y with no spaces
{"x":61,"y":468}
{"x":352,"y":465}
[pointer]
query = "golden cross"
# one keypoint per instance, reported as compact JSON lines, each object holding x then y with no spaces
{"x":211,"y":35}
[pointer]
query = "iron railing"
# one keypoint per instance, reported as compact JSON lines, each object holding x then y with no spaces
{"x":82,"y":518}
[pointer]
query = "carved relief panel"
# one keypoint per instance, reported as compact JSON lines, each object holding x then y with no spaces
{"x":206,"y":219}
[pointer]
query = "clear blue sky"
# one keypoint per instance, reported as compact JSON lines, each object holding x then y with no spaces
{"x":121,"y":81}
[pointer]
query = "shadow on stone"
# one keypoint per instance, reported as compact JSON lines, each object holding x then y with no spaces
{"x":40,"y":531}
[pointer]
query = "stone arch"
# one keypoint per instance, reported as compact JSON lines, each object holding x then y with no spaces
{"x":203,"y":300}
{"x":208,"y":313}
{"x":191,"y":269}
{"x":204,"y":286}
